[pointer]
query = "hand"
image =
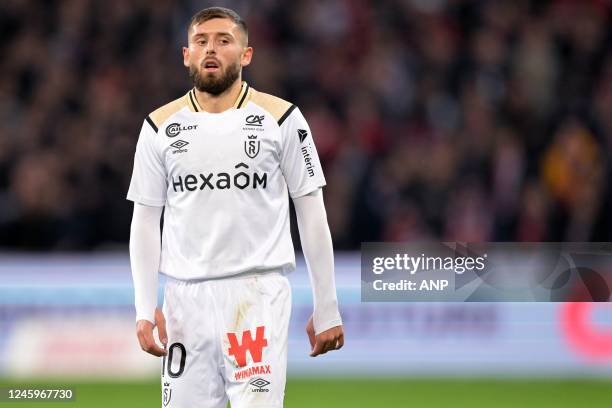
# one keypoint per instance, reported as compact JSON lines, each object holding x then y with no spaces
{"x":331,"y":339}
{"x":144,"y":331}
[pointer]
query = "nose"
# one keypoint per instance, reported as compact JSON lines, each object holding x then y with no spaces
{"x":210,"y":47}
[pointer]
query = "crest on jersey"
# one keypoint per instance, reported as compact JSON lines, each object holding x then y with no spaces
{"x":167,"y":394}
{"x":251,"y":146}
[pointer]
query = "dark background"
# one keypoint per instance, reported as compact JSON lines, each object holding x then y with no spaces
{"x":443,"y":120}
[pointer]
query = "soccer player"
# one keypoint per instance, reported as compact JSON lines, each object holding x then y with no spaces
{"x":222,"y":160}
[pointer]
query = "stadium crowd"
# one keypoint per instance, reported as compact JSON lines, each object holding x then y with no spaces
{"x":434,"y":119}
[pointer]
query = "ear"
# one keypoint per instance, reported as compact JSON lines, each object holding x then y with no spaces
{"x":186,"y":57}
{"x":246,"y":56}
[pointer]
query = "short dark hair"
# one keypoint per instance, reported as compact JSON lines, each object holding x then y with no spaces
{"x":219,"y":12}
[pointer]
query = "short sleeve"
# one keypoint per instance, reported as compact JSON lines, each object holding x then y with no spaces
{"x":149,"y":183}
{"x":299,"y":159}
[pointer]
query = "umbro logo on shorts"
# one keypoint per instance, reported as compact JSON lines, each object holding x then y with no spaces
{"x":258,"y":385}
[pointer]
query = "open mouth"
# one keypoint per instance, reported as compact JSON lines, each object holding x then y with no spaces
{"x":211,"y":66}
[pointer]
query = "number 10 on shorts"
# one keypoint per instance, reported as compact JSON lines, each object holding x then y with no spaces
{"x":175,"y":347}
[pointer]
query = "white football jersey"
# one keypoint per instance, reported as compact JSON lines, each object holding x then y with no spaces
{"x":223,"y":179}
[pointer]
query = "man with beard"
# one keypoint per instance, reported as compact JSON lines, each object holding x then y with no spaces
{"x":221,"y":161}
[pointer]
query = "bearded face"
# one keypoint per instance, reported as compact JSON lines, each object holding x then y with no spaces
{"x":214,"y":82}
{"x":217,"y":50}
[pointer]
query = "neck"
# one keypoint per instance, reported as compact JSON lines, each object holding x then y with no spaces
{"x":222,"y":102}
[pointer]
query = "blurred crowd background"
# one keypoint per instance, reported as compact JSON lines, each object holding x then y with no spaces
{"x":434,"y":119}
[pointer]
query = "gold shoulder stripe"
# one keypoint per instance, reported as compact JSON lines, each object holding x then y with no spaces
{"x":160,"y":115}
{"x":194,"y":101}
{"x":243,"y":97}
{"x":279,"y":108}
{"x":194,"y":105}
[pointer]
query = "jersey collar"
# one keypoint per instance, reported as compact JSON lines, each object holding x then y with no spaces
{"x":241,"y":101}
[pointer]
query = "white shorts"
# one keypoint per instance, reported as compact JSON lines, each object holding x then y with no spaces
{"x":227,"y":338}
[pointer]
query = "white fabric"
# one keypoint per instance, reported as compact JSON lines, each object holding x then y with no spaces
{"x":145,"y":249}
{"x":149,"y":179}
{"x":316,"y":245}
{"x":226,"y":213}
{"x":319,"y":254}
{"x":201,"y":317}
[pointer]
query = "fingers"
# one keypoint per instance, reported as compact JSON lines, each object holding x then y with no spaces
{"x":160,"y":321}
{"x":317,"y":349}
{"x":332,"y":339}
{"x":144,"y":333}
{"x":322,"y":347}
{"x":311,"y":333}
{"x":340,"y":342}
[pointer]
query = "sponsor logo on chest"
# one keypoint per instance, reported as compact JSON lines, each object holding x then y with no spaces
{"x":220,"y":181}
{"x":252,"y":144}
{"x":174,"y":129}
{"x":254,"y":123}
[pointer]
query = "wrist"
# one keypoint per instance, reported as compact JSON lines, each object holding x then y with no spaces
{"x":325,"y":318}
{"x":149,"y":317}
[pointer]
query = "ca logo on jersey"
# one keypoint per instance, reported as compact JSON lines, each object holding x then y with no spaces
{"x":254,"y":120}
{"x":251,"y":146}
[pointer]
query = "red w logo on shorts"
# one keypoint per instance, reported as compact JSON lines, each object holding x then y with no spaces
{"x":255,"y":347}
